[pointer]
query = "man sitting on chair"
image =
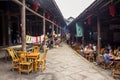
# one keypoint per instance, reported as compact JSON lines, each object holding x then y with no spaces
{"x":107,"y":58}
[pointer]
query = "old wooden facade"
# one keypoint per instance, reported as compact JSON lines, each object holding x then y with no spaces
{"x":100,"y":23}
{"x":28,"y":17}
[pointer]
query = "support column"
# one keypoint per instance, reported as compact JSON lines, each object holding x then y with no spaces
{"x":44,"y":26}
{"x":23,"y":26}
{"x":99,"y":38}
{"x":61,"y":35}
{"x":57,"y":30}
{"x":60,"y":31}
{"x":3,"y":31}
{"x":8,"y":28}
{"x":53,"y":33}
{"x":83,"y":35}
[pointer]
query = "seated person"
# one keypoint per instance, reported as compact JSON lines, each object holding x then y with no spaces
{"x":118,"y":52}
{"x":107,"y":58}
{"x":82,"y":51}
{"x":111,"y":53}
{"x":74,"y":45}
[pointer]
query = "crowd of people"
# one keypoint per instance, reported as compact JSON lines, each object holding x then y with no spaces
{"x":90,"y":51}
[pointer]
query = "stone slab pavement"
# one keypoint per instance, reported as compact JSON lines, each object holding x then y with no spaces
{"x":63,"y":63}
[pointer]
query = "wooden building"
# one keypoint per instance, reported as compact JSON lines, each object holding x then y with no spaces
{"x":100,"y":23}
{"x":28,"y":17}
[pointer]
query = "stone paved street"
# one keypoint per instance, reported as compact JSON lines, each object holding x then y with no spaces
{"x":62,"y":64}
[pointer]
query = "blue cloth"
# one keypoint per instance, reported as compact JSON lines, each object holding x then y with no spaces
{"x":107,"y":58}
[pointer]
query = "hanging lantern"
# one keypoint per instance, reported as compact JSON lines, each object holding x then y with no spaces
{"x":112,"y":10}
{"x":48,"y":15}
{"x":89,"y":20}
{"x":36,"y":5}
{"x":54,"y":20}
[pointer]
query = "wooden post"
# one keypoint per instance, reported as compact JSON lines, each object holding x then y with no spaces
{"x":44,"y":26}
{"x":57,"y":30}
{"x":83,"y":35}
{"x":3,"y":31}
{"x":23,"y":25}
{"x":9,"y":27}
{"x":53,"y":33}
{"x":61,"y":34}
{"x":99,"y":38}
{"x":60,"y":31}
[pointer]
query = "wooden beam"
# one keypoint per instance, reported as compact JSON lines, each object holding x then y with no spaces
{"x":19,"y":3}
{"x":110,"y":1}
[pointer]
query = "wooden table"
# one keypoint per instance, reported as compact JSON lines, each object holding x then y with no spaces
{"x":116,"y":69}
{"x":33,"y":57}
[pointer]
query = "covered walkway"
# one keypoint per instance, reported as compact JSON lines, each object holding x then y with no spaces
{"x":62,"y":64}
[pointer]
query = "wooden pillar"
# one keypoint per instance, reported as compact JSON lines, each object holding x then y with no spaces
{"x":23,"y":24}
{"x":61,"y":34}
{"x":83,"y":35}
{"x":44,"y":27}
{"x":57,"y":30}
{"x":8,"y":28}
{"x":53,"y":33}
{"x":99,"y":38}
{"x":3,"y":31}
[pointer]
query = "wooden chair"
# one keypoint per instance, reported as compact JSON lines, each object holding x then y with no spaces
{"x":116,"y":70}
{"x":91,"y":57}
{"x":15,"y":58}
{"x":41,"y":61}
{"x":100,"y":60}
{"x":102,"y":51}
{"x":77,"y":48}
{"x":24,"y":64}
{"x":36,"y":49}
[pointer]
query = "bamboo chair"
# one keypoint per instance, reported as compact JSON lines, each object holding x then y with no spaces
{"x":91,"y":57}
{"x":15,"y":58}
{"x":24,"y":65}
{"x":116,"y":70}
{"x":35,"y":49}
{"x":41,"y":62}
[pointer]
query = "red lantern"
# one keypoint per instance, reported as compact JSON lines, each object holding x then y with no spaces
{"x":36,"y":5}
{"x":112,"y":10}
{"x":89,"y":20}
{"x":48,"y":15}
{"x":54,"y":20}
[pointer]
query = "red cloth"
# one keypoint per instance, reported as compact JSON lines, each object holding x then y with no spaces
{"x":36,"y":39}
